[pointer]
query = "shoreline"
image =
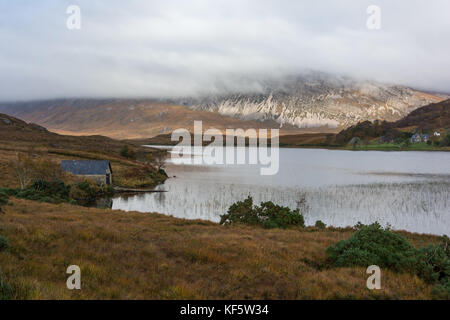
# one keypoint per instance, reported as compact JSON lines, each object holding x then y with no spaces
{"x":445,"y":149}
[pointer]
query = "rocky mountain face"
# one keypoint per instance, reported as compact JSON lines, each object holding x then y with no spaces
{"x":309,"y":103}
{"x":316,"y":100}
{"x":121,"y":118}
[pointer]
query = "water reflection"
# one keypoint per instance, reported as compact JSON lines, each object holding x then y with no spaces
{"x":409,"y":190}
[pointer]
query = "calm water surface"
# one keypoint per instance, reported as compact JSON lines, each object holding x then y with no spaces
{"x":408,"y":190}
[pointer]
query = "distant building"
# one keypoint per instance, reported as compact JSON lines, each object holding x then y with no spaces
{"x":98,"y":170}
{"x":417,"y":137}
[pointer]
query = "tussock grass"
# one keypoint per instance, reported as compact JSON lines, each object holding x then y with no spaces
{"x":129,"y":255}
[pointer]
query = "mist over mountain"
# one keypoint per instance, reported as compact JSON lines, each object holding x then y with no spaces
{"x":314,"y":99}
{"x":121,"y":118}
{"x":177,"y":48}
{"x":310,"y":102}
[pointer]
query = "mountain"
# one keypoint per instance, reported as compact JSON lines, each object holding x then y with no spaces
{"x":427,"y":119}
{"x":122,"y":118}
{"x":435,"y":116}
{"x":308,"y":103}
{"x":316,"y":100}
{"x":16,"y":134}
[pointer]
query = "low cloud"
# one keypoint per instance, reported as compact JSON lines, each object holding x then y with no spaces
{"x":179,"y":48}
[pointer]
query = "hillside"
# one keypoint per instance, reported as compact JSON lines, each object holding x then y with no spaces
{"x":309,"y":103}
{"x":435,"y":116}
{"x":18,"y":136}
{"x":152,"y":256}
{"x":121,"y":119}
{"x":316,"y":100}
{"x":16,"y":132}
{"x":431,"y":117}
{"x":427,"y":119}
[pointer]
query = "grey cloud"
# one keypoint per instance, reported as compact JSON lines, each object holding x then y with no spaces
{"x":175,"y":48}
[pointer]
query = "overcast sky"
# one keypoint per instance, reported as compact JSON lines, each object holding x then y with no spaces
{"x":166,"y":48}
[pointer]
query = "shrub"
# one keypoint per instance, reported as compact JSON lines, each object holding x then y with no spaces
{"x":3,"y":199}
{"x":398,"y":140}
{"x":374,"y":245}
{"x":52,"y":189}
{"x":162,"y":172}
{"x":435,"y":267}
{"x":268,"y":215}
{"x":406,"y":143}
{"x":442,"y":289}
{"x":444,"y":141}
{"x":124,"y":151}
{"x":88,"y":190}
{"x":27,"y":168}
{"x":4,"y":244}
{"x":437,"y":261}
{"x":145,"y":176}
{"x":5,"y":290}
{"x":41,"y":190}
{"x":275,"y":216}
{"x":319,"y":224}
{"x":127,"y":152}
{"x":84,"y":190}
{"x":47,"y":169}
{"x":241,"y":212}
{"x":8,"y":192}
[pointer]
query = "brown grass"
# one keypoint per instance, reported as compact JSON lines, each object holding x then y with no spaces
{"x":152,"y":256}
{"x":293,"y":140}
{"x":18,"y":136}
{"x":128,"y":119}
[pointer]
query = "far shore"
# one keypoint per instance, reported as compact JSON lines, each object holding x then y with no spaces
{"x":306,"y":141}
{"x":344,"y":148}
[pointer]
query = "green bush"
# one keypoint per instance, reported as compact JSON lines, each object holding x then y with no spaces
{"x":241,"y":212}
{"x":8,"y":192}
{"x":127,"y":152}
{"x":5,"y":289}
{"x":275,"y":216}
{"x":162,"y":172}
{"x":406,"y":143}
{"x":445,"y":141}
{"x":57,"y":191}
{"x":268,"y":215}
{"x":87,"y":190}
{"x":4,"y":244}
{"x":319,"y":224}
{"x":442,"y":289}
{"x":435,"y":267}
{"x":374,"y":245}
{"x":53,"y":189}
{"x":437,"y":262}
{"x":41,"y":190}
{"x":3,"y":199}
{"x":398,"y":140}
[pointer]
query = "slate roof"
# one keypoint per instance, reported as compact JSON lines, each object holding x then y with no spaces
{"x":86,"y":167}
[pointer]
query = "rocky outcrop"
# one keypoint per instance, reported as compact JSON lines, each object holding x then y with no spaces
{"x":316,"y":100}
